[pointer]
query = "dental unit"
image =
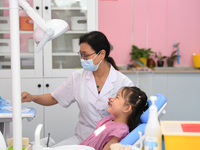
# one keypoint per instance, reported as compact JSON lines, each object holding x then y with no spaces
{"x":46,"y":30}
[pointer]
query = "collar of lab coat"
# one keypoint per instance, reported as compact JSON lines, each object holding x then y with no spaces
{"x":108,"y":85}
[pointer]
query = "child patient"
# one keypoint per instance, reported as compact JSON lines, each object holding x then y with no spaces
{"x":125,"y":108}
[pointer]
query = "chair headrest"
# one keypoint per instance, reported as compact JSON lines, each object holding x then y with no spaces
{"x":161,"y":100}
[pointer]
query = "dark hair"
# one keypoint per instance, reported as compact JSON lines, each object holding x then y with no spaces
{"x":138,"y":101}
{"x":98,"y":41}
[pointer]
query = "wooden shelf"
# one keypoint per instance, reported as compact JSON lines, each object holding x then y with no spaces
{"x":162,"y":71}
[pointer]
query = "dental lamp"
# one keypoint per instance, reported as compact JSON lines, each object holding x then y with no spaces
{"x":46,"y":31}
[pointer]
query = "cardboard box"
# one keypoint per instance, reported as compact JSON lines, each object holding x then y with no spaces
{"x":26,"y":23}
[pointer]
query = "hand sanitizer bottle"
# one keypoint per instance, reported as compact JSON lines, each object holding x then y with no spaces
{"x":152,"y":130}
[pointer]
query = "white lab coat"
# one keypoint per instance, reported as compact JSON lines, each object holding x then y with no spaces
{"x":80,"y":87}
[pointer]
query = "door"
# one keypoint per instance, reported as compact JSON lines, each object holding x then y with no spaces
{"x":30,"y":62}
{"x":59,"y":122}
{"x":60,"y":54}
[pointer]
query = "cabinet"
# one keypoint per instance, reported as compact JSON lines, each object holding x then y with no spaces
{"x":29,"y":66}
{"x":42,"y":72}
{"x":59,"y":57}
{"x":180,"y":89}
{"x":58,"y":121}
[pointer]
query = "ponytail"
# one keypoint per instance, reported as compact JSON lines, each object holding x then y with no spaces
{"x":112,"y":62}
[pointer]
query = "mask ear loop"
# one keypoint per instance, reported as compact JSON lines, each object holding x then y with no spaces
{"x":100,"y":62}
{"x":97,"y":55}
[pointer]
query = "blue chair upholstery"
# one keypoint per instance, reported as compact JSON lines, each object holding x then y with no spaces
{"x":133,"y":136}
{"x":161,"y":100}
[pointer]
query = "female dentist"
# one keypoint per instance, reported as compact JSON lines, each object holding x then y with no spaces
{"x":90,"y":87}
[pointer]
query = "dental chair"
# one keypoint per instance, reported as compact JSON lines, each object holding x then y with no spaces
{"x":133,"y":138}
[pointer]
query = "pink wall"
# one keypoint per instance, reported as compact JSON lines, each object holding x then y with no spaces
{"x":115,"y":23}
{"x":157,"y":24}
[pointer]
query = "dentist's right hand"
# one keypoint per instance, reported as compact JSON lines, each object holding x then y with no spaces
{"x":45,"y":99}
{"x":26,"y":97}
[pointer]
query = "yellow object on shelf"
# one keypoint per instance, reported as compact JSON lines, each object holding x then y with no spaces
{"x":181,"y":135}
{"x":196,"y":60}
{"x":144,"y":60}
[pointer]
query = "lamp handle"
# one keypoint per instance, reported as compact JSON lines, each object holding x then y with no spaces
{"x":45,"y":39}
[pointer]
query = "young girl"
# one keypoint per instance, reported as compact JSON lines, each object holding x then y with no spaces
{"x":126,"y":108}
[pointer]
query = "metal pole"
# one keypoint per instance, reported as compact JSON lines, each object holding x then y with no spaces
{"x":15,"y":69}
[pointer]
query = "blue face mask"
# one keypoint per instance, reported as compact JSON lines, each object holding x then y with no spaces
{"x":89,"y":65}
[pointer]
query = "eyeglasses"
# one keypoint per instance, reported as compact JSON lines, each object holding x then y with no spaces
{"x":84,"y":56}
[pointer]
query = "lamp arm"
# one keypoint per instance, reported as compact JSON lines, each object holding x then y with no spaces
{"x":34,"y":15}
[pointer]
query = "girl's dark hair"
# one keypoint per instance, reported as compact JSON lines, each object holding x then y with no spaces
{"x":98,"y":41}
{"x":138,"y":101}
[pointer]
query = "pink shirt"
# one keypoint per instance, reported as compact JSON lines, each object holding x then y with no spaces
{"x":105,"y":130}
